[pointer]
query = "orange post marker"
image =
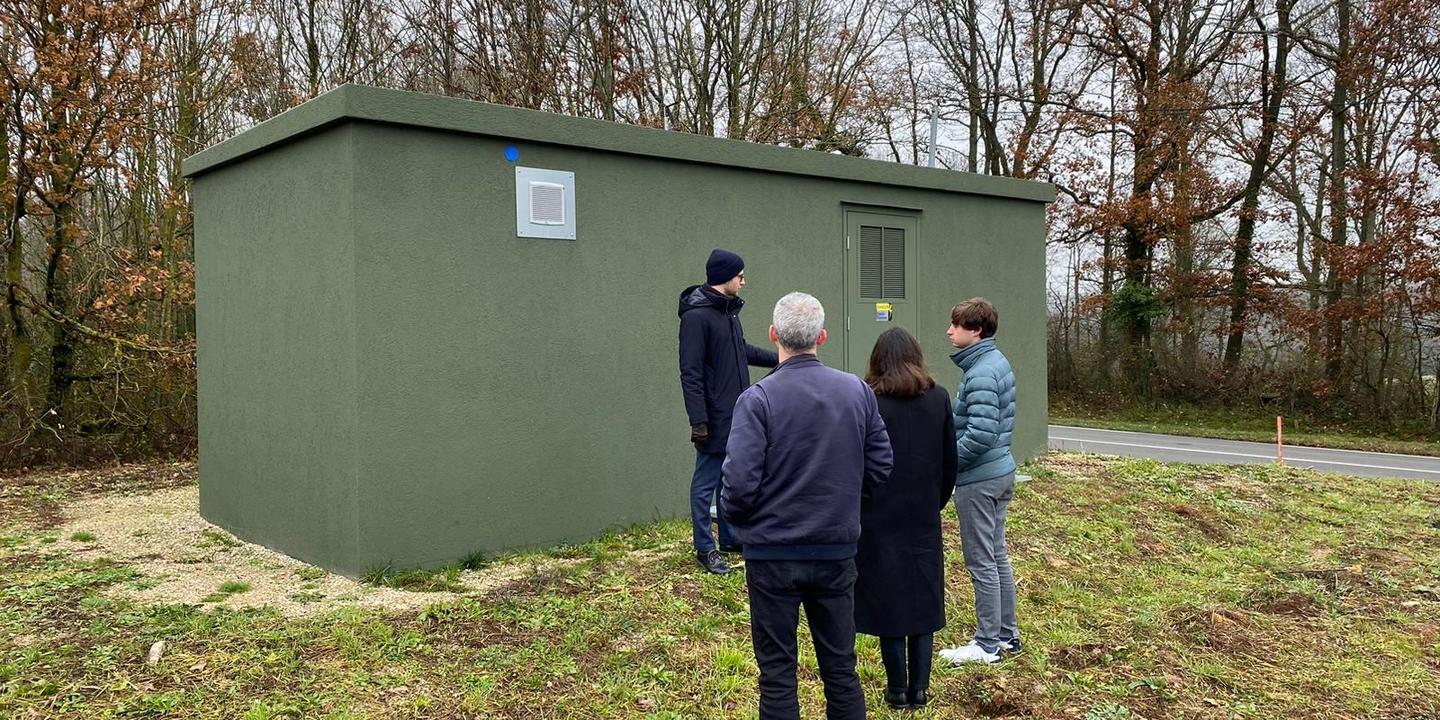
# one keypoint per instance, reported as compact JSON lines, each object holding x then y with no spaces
{"x":1279,"y":440}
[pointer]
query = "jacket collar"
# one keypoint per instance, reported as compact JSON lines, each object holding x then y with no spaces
{"x":723,"y":302}
{"x":703,"y":296}
{"x":797,"y":361}
{"x":967,"y":357}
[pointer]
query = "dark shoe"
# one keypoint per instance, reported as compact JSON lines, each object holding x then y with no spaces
{"x":918,"y":698}
{"x":713,"y":562}
{"x":731,"y":549}
{"x":897,"y":699}
{"x":1012,"y":646}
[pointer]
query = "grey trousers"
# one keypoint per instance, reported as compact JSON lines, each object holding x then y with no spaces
{"x":981,"y":507}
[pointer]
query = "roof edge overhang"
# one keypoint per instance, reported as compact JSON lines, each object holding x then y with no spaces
{"x":396,"y":107}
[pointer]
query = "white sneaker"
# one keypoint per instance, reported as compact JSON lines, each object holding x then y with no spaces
{"x":971,"y":653}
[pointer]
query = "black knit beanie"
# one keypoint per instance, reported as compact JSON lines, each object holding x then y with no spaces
{"x":722,"y":266}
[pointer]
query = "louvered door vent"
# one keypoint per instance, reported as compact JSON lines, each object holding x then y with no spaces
{"x":882,"y":262}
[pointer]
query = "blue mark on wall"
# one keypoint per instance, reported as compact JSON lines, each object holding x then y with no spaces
{"x":512,"y":153}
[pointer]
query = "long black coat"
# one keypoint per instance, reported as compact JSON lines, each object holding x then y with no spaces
{"x":715,"y":360}
{"x":901,"y":561}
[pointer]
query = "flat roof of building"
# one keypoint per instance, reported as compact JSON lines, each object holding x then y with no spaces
{"x":435,"y":112}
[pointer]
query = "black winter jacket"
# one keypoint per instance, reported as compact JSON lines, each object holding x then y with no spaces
{"x":715,"y":360}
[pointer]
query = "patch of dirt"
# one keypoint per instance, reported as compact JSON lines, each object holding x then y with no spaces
{"x":1079,"y":657}
{"x":1220,"y":628}
{"x":657,"y":568}
{"x":186,"y":560}
{"x":58,"y":619}
{"x":1150,"y":543}
{"x":1376,"y":557}
{"x":1229,"y":630}
{"x":525,"y":580}
{"x":471,"y":632}
{"x":1207,"y":479}
{"x":1075,"y":462}
{"x":35,"y":499}
{"x":1202,"y":521}
{"x":1334,"y":580}
{"x":1236,"y":483}
{"x":999,"y":696}
{"x":1290,"y":604}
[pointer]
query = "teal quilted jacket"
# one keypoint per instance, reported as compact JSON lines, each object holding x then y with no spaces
{"x":984,"y":413}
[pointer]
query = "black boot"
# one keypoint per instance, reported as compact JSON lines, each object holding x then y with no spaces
{"x":713,"y":562}
{"x":917,"y":698}
{"x":892,"y":652}
{"x":898,"y":699}
{"x":920,"y":647}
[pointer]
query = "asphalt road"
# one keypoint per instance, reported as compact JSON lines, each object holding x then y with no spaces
{"x":1173,"y":448}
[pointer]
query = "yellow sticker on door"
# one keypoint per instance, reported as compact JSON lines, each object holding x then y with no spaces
{"x":883,"y":312}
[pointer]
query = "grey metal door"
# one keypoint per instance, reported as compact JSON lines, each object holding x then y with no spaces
{"x":880,"y":288}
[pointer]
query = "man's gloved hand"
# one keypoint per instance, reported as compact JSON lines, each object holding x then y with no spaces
{"x":699,"y":433}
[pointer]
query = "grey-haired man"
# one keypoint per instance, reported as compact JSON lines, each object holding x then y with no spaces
{"x":805,"y":444}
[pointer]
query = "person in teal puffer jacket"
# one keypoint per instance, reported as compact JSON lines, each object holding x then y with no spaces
{"x":985,"y":482}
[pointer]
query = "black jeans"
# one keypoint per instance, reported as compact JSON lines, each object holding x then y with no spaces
{"x":826,"y":589}
{"x":893,"y":651}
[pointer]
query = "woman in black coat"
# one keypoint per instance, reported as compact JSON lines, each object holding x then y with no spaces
{"x":900,"y":592}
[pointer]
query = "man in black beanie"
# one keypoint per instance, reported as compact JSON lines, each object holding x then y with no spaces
{"x":714,"y":370}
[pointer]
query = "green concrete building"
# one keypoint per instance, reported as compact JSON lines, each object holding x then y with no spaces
{"x":430,"y":326}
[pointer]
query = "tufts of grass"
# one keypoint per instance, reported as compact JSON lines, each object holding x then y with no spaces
{"x":311,"y":574}
{"x":82,"y":536}
{"x":233,"y":587}
{"x":217,"y":538}
{"x":446,"y":579}
{"x":474,"y":561}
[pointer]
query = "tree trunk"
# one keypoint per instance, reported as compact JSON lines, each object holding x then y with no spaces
{"x":21,"y":349}
{"x":1135,"y":286}
{"x":17,"y":187}
{"x":57,"y":291}
{"x":1339,"y":202}
{"x":734,"y":63}
{"x":312,"y":48}
{"x":607,"y":60}
{"x":1435,"y":411}
{"x":972,"y":84}
{"x":1273,"y":86}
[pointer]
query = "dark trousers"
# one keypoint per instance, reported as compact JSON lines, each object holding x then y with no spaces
{"x":893,"y":650}
{"x":826,"y":589}
{"x":704,"y":484}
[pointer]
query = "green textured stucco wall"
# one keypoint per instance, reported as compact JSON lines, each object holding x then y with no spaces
{"x":275,"y":312}
{"x":390,"y":377}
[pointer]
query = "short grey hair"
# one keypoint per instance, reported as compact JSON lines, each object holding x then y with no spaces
{"x":798,"y":320}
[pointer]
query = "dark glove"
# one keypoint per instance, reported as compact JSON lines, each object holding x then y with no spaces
{"x":699,"y":433}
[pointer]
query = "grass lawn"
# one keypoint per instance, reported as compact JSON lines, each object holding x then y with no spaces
{"x":1232,"y":424}
{"x":1146,"y":590}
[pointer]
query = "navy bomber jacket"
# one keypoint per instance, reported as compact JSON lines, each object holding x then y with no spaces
{"x":807,"y":442}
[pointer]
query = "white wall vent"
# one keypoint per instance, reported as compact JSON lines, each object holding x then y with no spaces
{"x":544,"y":203}
{"x":547,"y":203}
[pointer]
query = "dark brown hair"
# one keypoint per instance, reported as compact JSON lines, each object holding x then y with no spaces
{"x":897,"y":365}
{"x":976,"y":314}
